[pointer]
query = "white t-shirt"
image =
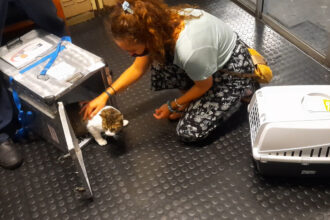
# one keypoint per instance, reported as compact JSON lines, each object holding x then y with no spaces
{"x":204,"y":45}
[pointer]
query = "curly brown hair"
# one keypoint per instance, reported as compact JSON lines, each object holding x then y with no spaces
{"x":152,"y":23}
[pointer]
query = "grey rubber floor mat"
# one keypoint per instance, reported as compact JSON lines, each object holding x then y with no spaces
{"x":154,"y":176}
{"x":312,"y":34}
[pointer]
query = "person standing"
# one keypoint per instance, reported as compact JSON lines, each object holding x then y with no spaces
{"x":43,"y":14}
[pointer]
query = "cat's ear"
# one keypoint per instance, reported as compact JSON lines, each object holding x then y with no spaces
{"x":125,"y":122}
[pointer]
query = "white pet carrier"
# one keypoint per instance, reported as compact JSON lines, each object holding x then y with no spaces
{"x":290,"y":130}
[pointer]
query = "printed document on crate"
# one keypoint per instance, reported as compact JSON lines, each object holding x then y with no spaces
{"x":26,"y":53}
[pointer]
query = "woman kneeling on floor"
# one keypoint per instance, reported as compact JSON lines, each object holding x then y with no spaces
{"x":185,"y":48}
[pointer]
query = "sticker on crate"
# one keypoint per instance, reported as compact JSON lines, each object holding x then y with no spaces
{"x":316,"y":103}
{"x":27,"y":53}
{"x":327,"y":104}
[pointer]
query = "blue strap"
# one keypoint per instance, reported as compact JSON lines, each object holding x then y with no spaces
{"x":52,"y":57}
{"x":15,"y":95}
{"x":24,"y":118}
{"x":38,"y":62}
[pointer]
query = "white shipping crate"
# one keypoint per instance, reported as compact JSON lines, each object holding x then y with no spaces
{"x":290,"y":130}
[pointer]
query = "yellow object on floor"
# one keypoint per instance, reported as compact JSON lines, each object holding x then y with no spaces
{"x":262,"y":71}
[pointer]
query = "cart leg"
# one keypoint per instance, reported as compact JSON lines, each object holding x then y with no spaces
{"x":75,"y":151}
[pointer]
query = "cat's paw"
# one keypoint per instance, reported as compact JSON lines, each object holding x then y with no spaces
{"x":101,"y":142}
{"x":109,"y":133}
{"x":125,"y":122}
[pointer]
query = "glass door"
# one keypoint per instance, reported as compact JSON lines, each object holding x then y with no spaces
{"x":308,"y":20}
{"x":248,"y":4}
{"x":306,"y":23}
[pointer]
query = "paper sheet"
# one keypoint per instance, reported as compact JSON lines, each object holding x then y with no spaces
{"x":61,"y":71}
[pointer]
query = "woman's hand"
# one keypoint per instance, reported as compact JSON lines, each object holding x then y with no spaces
{"x":93,"y":107}
{"x":162,"y":112}
{"x":179,"y":113}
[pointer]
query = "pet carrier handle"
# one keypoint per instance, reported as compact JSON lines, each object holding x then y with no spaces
{"x":14,"y":43}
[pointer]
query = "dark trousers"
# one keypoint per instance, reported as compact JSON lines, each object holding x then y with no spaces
{"x":8,"y":113}
{"x":41,"y":12}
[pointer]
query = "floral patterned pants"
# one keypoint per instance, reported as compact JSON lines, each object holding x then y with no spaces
{"x":222,"y":100}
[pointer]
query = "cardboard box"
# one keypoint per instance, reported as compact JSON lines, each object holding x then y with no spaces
{"x":109,"y":2}
{"x":75,"y":7}
{"x":80,"y":18}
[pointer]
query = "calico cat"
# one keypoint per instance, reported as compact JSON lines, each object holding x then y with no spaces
{"x":109,"y":120}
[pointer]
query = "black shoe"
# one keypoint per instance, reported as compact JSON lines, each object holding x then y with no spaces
{"x":10,"y":157}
